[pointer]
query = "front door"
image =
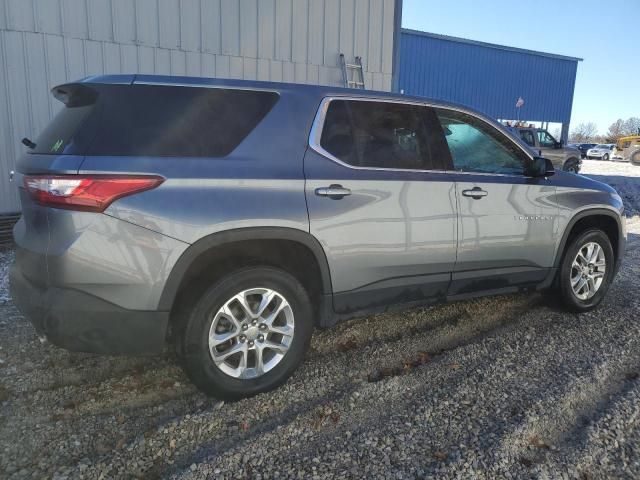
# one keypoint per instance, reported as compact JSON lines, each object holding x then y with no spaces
{"x":507,"y":221}
{"x":550,"y":148}
{"x":380,"y":203}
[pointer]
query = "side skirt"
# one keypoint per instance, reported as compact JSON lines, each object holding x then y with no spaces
{"x":363,"y":302}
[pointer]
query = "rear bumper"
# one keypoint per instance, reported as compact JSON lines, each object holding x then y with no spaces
{"x":80,"y":322}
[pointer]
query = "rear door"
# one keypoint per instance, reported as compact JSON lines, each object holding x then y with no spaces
{"x":507,"y":221}
{"x":380,"y":203}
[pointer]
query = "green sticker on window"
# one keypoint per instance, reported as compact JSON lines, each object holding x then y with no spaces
{"x":56,"y":146}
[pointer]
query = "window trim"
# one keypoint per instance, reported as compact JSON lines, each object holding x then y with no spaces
{"x":315,"y":134}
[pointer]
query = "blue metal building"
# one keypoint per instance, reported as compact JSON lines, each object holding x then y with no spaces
{"x":488,"y":77}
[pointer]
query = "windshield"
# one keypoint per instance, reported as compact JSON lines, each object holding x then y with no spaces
{"x":606,"y":147}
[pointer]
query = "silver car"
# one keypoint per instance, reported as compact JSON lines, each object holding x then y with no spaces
{"x":603,"y":151}
{"x":230,"y":218}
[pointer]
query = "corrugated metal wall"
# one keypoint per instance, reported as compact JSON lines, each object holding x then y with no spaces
{"x":47,"y":42}
{"x":488,"y":78}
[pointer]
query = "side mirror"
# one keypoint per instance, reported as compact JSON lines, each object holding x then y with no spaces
{"x":540,"y":167}
{"x":558,"y":144}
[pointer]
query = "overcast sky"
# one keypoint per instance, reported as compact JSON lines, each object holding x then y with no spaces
{"x":605,"y":33}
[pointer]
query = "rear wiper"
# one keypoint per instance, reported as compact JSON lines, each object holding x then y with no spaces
{"x":28,"y":143}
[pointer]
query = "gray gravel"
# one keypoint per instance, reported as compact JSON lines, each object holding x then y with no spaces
{"x":506,"y":387}
{"x":6,"y":258}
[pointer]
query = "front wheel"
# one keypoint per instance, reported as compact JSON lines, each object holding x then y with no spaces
{"x":247,"y":333}
{"x":586,"y":271}
{"x":605,"y":157}
{"x":571,"y":166}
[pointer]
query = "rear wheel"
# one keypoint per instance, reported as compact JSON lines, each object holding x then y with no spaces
{"x":586,"y":271}
{"x":247,"y":333}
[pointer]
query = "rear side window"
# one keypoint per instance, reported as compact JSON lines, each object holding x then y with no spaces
{"x":150,"y":120}
{"x":527,"y":136}
{"x":475,"y":146}
{"x":63,"y":133}
{"x":378,"y":134}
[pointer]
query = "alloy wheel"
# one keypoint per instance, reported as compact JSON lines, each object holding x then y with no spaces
{"x":588,"y":270}
{"x":251,"y":333}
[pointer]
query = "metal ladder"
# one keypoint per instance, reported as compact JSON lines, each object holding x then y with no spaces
{"x":351,"y":81}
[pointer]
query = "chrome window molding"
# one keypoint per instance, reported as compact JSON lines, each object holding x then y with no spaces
{"x":315,"y":135}
{"x":205,"y":85}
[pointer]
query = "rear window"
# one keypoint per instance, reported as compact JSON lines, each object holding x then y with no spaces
{"x":376,"y":134}
{"x":151,"y":120}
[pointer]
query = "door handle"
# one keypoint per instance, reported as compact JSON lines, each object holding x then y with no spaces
{"x":476,"y":193}
{"x":334,"y":191}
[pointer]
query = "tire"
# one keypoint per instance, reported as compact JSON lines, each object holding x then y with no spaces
{"x":572,"y":300}
{"x":571,"y":165}
{"x":605,"y":157}
{"x":221,"y":380}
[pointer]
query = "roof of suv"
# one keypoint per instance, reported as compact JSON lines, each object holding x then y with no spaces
{"x":320,"y":90}
{"x":317,"y":90}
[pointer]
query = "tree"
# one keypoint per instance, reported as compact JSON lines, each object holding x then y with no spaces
{"x":632,"y":126}
{"x":622,"y":128}
{"x":616,"y":130}
{"x":584,"y":132}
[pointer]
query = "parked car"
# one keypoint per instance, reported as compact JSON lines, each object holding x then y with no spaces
{"x":542,"y":143}
{"x":230,"y":218}
{"x":628,"y":150}
{"x":602,"y":151}
{"x":583,"y":147}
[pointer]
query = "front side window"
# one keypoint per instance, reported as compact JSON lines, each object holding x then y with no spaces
{"x":476,"y":146}
{"x":545,"y":139}
{"x":377,"y":134}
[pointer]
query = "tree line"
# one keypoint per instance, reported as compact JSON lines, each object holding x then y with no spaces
{"x":587,"y":132}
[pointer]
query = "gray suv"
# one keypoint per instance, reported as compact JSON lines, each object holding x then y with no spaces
{"x":229,"y":218}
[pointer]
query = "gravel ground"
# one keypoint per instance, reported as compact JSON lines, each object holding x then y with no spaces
{"x":506,"y":387}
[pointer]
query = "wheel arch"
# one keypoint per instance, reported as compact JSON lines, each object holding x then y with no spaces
{"x":215,"y":241}
{"x":607,"y":220}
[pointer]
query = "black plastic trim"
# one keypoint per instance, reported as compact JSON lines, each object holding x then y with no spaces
{"x":241,"y":234}
{"x":81,"y":322}
{"x":495,"y":279}
{"x":588,"y":213}
{"x":396,"y":291}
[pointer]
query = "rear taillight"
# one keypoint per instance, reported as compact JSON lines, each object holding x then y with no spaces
{"x":90,"y":193}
